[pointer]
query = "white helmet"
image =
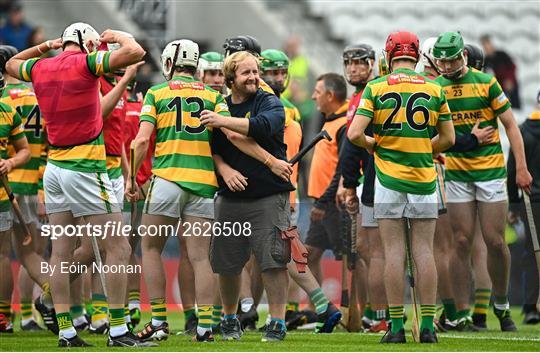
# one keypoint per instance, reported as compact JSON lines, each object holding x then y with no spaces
{"x":115,"y":46}
{"x":179,"y":53}
{"x":79,"y":33}
{"x":426,"y":58}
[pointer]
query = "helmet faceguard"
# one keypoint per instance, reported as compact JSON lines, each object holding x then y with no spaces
{"x":448,"y":54}
{"x":426,"y":58}
{"x":2,"y":84}
{"x":80,"y":33}
{"x":211,"y":61}
{"x":179,"y":54}
{"x":275,"y":62}
{"x":242,"y":43}
{"x":6,"y":53}
{"x":475,"y":56}
{"x":358,"y":53}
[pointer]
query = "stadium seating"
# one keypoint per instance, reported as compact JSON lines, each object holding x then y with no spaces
{"x":514,"y":26}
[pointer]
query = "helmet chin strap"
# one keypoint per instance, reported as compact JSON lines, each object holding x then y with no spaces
{"x":83,"y":47}
{"x":173,"y":62}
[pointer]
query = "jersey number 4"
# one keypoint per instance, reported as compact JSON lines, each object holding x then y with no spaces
{"x":176,"y":105}
{"x":410,"y":111}
{"x":33,"y":121}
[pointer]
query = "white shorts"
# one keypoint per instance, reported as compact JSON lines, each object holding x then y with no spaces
{"x":359,"y":190}
{"x":29,"y":209}
{"x":6,"y":221}
{"x":395,"y":204}
{"x":166,"y":198}
{"x":118,"y":189}
{"x":483,"y":191}
{"x":81,"y":193}
{"x":368,"y":219}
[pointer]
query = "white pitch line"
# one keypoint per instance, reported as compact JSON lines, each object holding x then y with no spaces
{"x":496,"y":338}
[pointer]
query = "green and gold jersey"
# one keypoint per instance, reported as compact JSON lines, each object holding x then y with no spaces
{"x":404,"y":107}
{"x":182,"y":153}
{"x":475,"y":96}
{"x":11,"y":128}
{"x":24,"y":180}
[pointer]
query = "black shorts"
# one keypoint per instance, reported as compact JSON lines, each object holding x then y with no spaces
{"x":266,"y":217}
{"x":325,"y":234}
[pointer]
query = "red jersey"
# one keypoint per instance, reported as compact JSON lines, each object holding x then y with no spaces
{"x":353,"y":105}
{"x":114,"y":124}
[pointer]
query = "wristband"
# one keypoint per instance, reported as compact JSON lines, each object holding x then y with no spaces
{"x":266,"y":161}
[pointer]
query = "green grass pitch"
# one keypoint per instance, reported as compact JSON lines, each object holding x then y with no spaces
{"x":526,"y":339}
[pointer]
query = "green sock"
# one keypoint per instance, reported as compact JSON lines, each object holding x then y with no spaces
{"x":189,"y":312}
{"x":134,"y":297}
{"x":99,"y":307}
{"x":368,"y":312}
{"x":481,"y":301}
{"x":64,"y":321}
{"x":396,"y":315}
{"x":205,"y":317}
{"x":5,"y":308}
{"x":292,"y":306}
{"x":159,"y":310}
{"x":26,"y":309}
{"x":319,"y":300}
{"x":450,"y":309}
{"x":216,"y":314}
{"x":117,"y":317}
{"x":427,"y":311}
{"x":463,"y":313}
{"x":76,"y":311}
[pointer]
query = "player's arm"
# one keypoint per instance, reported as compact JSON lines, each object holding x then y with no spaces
{"x":17,"y":138}
{"x":234,"y":180}
{"x":523,"y":177}
{"x":140,"y":146}
{"x":446,"y":137}
{"x":249,"y":146}
{"x":109,"y":101}
{"x":15,"y":67}
{"x":357,"y":132}
{"x":130,"y":51}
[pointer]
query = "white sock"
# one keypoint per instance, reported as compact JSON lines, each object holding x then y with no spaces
{"x":26,"y":321}
{"x":99,"y":323}
{"x":246,"y":304}
{"x":134,"y":305}
{"x":127,"y":318}
{"x":268,"y":319}
{"x":79,"y":320}
{"x":202,"y":330}
{"x":505,"y":306}
{"x":156,"y":323}
{"x":118,"y":330}
{"x":67,"y":333}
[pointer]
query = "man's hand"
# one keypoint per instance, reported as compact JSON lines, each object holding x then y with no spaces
{"x":54,"y":44}
{"x":234,"y":180}
{"x":511,"y":217}
{"x":370,"y":141}
{"x":352,"y":204}
{"x":317,"y":214}
{"x":212,"y":119}
{"x":132,"y":195}
{"x":340,"y":194}
{"x":281,"y":168}
{"x":483,"y":135}
{"x":6,"y":165}
{"x":109,"y":36}
{"x":524,"y":180}
{"x":131,"y":71}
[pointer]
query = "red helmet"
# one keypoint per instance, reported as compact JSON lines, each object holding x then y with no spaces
{"x":402,"y":45}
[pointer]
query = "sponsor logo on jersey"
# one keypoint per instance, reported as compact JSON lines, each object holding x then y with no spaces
{"x":183,"y":85}
{"x":19,"y":93}
{"x":394,"y":79}
{"x":146,"y":109}
{"x":474,"y":115}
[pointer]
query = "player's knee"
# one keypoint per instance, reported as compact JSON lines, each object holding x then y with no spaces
{"x":496,"y":246}
{"x":120,"y":251}
{"x":463,"y":245}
